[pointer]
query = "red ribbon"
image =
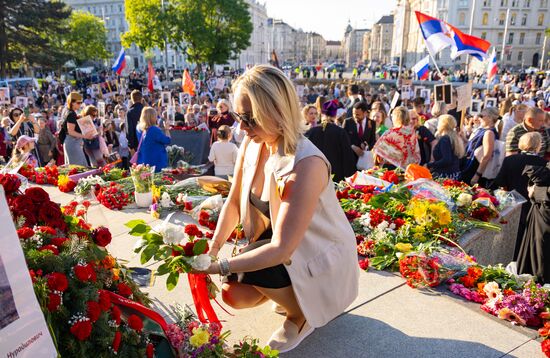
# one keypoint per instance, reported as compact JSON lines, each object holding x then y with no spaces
{"x":149,"y":313}
{"x":199,"y":290}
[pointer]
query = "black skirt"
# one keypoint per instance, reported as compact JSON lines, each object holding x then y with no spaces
{"x":270,"y":277}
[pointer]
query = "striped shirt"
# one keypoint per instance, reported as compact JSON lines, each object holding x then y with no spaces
{"x":512,"y":139}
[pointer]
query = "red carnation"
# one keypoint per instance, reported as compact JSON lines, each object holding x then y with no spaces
{"x":116,"y":341}
{"x":192,"y":230}
{"x":364,"y":264}
{"x":102,"y":236}
{"x":54,"y":301}
{"x":150,"y":350}
{"x":86,"y":203}
{"x":545,"y":345}
{"x":10,"y":182}
{"x":58,"y":241}
{"x":51,"y":248}
{"x":211,"y":226}
{"x":188,"y":206}
{"x":124,"y":290}
{"x":85,"y":273}
{"x":82,"y":329}
{"x":135,"y":323}
{"x":50,"y":213}
{"x":104,"y":300}
{"x":115,"y":314}
{"x":188,"y":249}
{"x":25,"y":233}
{"x":209,"y":235}
{"x":203,"y":215}
{"x":37,"y":195}
{"x":57,"y":281}
{"x":45,"y":230}
{"x":22,"y":202}
{"x":94,"y":310}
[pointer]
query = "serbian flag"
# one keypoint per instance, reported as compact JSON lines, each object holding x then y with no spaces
{"x":437,"y":34}
{"x":422,"y":68}
{"x":492,"y":68}
{"x":120,"y":62}
{"x":150,"y":77}
{"x":187,"y":83}
{"x":468,"y":44}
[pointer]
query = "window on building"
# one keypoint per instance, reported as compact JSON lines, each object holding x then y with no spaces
{"x":500,"y":35}
{"x":461,"y":18}
{"x":527,"y":3}
{"x":513,"y":19}
{"x":515,"y":3}
{"x":484,"y":35}
{"x":503,"y":3}
{"x":524,"y":20}
{"x":119,"y":8}
{"x":537,"y":39}
{"x":543,"y":3}
{"x":463,"y":3}
{"x":541,"y":19}
{"x":501,"y":19}
{"x":510,"y":38}
{"x":498,"y":54}
{"x":486,"y":3}
{"x":485,"y":19}
{"x":521,"y":38}
{"x":520,"y":55}
{"x":509,"y":56}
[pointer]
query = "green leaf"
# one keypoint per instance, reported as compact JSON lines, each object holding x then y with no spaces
{"x":172,"y":280}
{"x":163,"y":269}
{"x":199,"y":247}
{"x":133,"y":223}
{"x":140,"y":230}
{"x":149,"y":251}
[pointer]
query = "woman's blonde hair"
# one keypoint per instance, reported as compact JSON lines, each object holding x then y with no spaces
{"x":491,"y":112}
{"x":505,"y":106}
{"x":148,"y":118}
{"x":379,"y":106}
{"x":530,"y":142}
{"x":274,"y":101}
{"x":446,"y":126}
{"x":90,"y":110}
{"x":227,"y":104}
{"x":439,"y":108}
{"x":400,"y":116}
{"x":73,"y":97}
{"x":306,"y":109}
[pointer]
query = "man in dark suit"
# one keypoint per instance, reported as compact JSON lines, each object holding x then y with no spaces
{"x":133,"y":119}
{"x":353,"y":94}
{"x":360,"y":129}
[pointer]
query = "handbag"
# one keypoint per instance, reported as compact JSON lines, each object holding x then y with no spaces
{"x":134,"y":158}
{"x":91,"y":144}
{"x":494,"y":165}
{"x":366,"y":161}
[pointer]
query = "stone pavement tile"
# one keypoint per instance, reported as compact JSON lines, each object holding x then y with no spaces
{"x":530,"y":349}
{"x":408,"y":322}
{"x":374,"y":283}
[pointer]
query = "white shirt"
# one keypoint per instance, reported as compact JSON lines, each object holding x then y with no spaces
{"x":508,"y":122}
{"x":224,"y":157}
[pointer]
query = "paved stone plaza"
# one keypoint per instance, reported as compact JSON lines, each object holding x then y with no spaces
{"x":388,"y":318}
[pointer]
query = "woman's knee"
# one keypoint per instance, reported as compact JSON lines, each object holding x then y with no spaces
{"x":239,"y":296}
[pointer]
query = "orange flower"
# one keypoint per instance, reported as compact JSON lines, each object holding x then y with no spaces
{"x":116,"y":273}
{"x":108,"y":262}
{"x":480,"y":289}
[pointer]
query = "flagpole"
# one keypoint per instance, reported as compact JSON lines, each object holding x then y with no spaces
{"x":470,"y":33}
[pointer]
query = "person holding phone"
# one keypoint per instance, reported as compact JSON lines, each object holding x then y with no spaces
{"x":24,"y":125}
{"x":73,"y":141}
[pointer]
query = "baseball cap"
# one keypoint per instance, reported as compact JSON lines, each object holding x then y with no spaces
{"x":23,"y":141}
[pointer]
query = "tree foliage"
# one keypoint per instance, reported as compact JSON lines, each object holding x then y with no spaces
{"x":28,"y":33}
{"x":210,"y":31}
{"x":86,"y":38}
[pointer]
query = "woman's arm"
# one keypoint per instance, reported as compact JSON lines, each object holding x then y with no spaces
{"x":488,"y":145}
{"x":73,"y":133}
{"x":17,"y":125}
{"x":299,"y":202}
{"x":160,"y":137}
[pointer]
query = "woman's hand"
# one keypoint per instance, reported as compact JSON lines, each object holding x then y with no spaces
{"x":475,"y":179}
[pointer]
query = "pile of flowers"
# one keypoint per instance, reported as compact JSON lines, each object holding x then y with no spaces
{"x":188,"y":128}
{"x":113,"y":196}
{"x":89,"y":184}
{"x":74,"y":277}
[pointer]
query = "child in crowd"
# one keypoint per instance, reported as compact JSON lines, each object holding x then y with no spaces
{"x":223,"y":153}
{"x":22,"y":154}
{"x":123,"y":150}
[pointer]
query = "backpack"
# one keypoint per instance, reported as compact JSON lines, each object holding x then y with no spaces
{"x":63,"y":131}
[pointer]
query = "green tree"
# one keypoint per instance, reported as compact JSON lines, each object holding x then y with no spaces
{"x":86,"y":38}
{"x":210,"y":31}
{"x":28,"y":30}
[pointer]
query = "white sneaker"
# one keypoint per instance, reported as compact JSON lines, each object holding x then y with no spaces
{"x":289,"y":336}
{"x":277,"y":308}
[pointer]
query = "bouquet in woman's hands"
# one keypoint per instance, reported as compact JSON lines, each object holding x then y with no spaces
{"x":175,"y":155}
{"x":181,"y":249}
{"x":142,"y":176}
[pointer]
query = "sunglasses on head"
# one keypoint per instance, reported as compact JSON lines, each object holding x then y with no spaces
{"x":246,"y":118}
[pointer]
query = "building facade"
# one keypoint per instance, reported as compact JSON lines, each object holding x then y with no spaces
{"x":523,"y":21}
{"x":381,"y":40}
{"x":258,"y":51}
{"x":352,"y":45}
{"x":333,"y":51}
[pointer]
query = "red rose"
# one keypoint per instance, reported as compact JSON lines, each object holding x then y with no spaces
{"x":57,"y":281}
{"x":37,"y":195}
{"x":203,"y":215}
{"x":22,"y":202}
{"x":85,"y":273}
{"x":116,"y":341}
{"x":150,"y":350}
{"x":58,"y":241}
{"x":10,"y":182}
{"x":188,"y":249}
{"x":124,"y":290}
{"x":115,"y":314}
{"x":28,"y":217}
{"x":54,"y":301}
{"x":102,"y":236}
{"x":51,"y":248}
{"x":135,"y":323}
{"x":82,"y":329}
{"x":364,"y":264}
{"x":94,"y":310}
{"x":104,"y":300}
{"x":50,"y":213}
{"x":25,"y":233}
{"x":188,"y":206}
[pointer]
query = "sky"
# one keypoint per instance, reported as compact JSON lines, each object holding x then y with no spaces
{"x":329,"y":17}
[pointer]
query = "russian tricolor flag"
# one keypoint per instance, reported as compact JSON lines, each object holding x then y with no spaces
{"x":492,"y":68}
{"x":120,"y":62}
{"x":422,"y":68}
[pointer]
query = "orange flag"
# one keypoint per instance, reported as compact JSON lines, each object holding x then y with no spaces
{"x":187,"y":83}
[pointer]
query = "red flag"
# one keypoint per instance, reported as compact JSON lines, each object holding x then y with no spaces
{"x":187,"y":83}
{"x":151,"y":76}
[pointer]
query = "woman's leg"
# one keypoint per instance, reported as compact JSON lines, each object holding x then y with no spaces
{"x":285,"y":297}
{"x":239,"y":295}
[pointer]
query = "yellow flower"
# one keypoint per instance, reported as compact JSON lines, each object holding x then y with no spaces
{"x":401,"y":246}
{"x":200,"y":337}
{"x":442,"y":214}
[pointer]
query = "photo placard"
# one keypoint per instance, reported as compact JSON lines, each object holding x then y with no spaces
{"x":101,"y":109}
{"x":475,"y":106}
{"x":87,"y":125}
{"x":165,"y":98}
{"x":5,"y":95}
{"x":21,"y":102}
{"x":444,"y":92}
{"x":491,"y":102}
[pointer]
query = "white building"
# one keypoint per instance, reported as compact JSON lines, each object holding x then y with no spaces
{"x":333,"y":51}
{"x":258,"y":51}
{"x":381,"y":40}
{"x":352,"y":45}
{"x":524,"y":37}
